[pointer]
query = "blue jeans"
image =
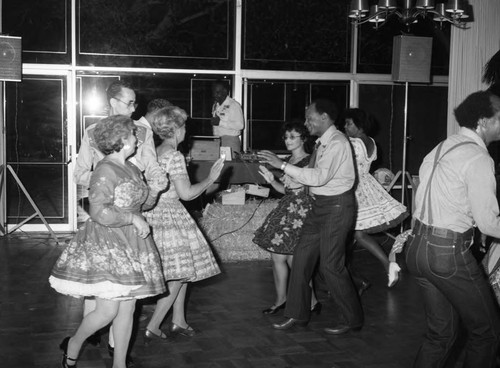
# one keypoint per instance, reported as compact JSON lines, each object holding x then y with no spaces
{"x":455,"y":290}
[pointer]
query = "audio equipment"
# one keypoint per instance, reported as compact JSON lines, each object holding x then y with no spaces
{"x":411,"y":59}
{"x":10,"y":58}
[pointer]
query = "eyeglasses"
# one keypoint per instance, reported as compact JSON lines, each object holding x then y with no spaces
{"x":292,"y":137}
{"x":129,"y":104}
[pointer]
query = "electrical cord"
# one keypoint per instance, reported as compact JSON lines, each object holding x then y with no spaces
{"x":242,"y":226}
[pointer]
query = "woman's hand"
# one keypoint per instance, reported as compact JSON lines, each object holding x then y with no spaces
{"x":270,"y":158}
{"x":159,"y":183}
{"x":141,"y":226}
{"x":216,"y":169}
{"x":266,"y":174}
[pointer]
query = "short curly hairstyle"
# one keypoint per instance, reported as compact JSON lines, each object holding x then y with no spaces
{"x":360,"y":118}
{"x":167,"y":120}
{"x":109,"y":132}
{"x":476,"y":106}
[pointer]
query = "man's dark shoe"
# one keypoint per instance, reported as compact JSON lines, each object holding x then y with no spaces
{"x":341,"y":329}
{"x":289,"y":323}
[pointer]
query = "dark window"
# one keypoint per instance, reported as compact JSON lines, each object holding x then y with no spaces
{"x":36,"y":147}
{"x":426,"y":124}
{"x":158,"y":34}
{"x":44,"y":27}
{"x":296,"y":35}
{"x":272,"y":103}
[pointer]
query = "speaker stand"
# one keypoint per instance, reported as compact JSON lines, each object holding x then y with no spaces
{"x":3,"y":229}
{"x":403,"y":174}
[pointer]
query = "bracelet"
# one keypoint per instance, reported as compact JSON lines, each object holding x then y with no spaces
{"x":283,"y":165}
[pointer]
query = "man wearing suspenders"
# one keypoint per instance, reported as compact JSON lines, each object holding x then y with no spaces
{"x":457,"y":192}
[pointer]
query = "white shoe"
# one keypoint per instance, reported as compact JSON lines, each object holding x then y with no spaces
{"x":393,"y":274}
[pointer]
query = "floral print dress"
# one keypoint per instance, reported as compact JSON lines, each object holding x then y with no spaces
{"x":377,"y":209}
{"x":281,"y":229}
{"x":107,"y":258}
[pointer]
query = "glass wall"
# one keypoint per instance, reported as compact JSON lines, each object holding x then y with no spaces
{"x":275,"y":55}
{"x":271,"y":103}
{"x":426,"y":122}
{"x":36,"y":148}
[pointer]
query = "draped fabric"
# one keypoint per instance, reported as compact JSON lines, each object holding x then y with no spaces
{"x":470,"y":49}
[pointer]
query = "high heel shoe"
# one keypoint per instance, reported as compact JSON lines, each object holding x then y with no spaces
{"x":64,"y":347}
{"x":393,"y":274}
{"x":273,"y":309}
{"x":316,"y":308}
{"x":177,"y":330}
{"x":150,"y":336}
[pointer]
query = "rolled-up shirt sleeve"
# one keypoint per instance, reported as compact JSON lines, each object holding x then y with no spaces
{"x":481,"y":188}
{"x":334,"y":171}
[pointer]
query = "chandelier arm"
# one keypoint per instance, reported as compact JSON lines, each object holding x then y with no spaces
{"x":455,"y":21}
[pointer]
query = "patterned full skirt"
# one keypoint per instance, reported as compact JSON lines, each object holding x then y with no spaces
{"x":109,"y":263}
{"x":184,"y":252}
{"x":280,"y":231}
{"x":377,"y":209}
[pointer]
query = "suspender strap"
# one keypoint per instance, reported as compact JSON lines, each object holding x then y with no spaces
{"x":427,"y":193}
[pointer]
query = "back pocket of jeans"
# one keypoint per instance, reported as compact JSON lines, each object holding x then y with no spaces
{"x":441,"y":258}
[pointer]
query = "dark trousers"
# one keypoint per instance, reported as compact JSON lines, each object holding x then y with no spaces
{"x":455,"y":290}
{"x":323,"y":237}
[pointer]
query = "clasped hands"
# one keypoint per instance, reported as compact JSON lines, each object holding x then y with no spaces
{"x":141,"y":226}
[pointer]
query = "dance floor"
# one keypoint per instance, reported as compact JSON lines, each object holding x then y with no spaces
{"x":226,"y":310}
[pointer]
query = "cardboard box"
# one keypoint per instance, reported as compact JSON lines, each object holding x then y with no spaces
{"x":257,"y":190}
{"x":205,"y":148}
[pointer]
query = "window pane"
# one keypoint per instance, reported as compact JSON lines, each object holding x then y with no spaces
{"x":35,"y":121}
{"x":167,"y":34}
{"x":46,"y":185}
{"x":44,"y":27}
{"x":184,"y":90}
{"x":272,"y":103}
{"x":426,"y":125}
{"x":296,"y":35}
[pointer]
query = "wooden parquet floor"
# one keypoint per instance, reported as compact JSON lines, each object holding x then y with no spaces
{"x":225,"y":309}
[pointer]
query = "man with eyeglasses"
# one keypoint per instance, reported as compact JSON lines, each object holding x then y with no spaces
{"x":121,"y":99}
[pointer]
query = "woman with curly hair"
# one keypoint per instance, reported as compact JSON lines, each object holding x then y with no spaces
{"x":279,"y":234}
{"x":112,"y":257}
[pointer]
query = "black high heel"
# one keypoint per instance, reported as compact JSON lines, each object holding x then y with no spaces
{"x":316,"y":308}
{"x":150,"y":336}
{"x":273,"y":309}
{"x":64,"y":347}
